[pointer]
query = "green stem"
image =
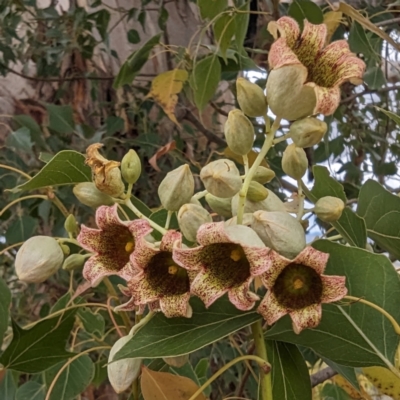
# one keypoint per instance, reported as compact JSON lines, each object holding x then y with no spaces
{"x":282,"y":138}
{"x":142,"y":322}
{"x":394,"y":323}
{"x":246,"y":164}
{"x":168,"y":221}
{"x":301,"y":196}
{"x":199,"y":195}
{"x":264,"y":366}
{"x":261,"y":351}
{"x":334,"y":237}
{"x":263,"y":152}
{"x":139,"y":214}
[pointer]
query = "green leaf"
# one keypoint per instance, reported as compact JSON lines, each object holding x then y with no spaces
{"x":114,"y":124}
{"x":211,"y":8}
{"x":224,"y":29}
{"x":381,"y":212}
{"x":22,"y":228}
{"x":201,"y":372}
{"x":391,"y":115}
{"x":73,"y":380}
{"x":354,"y":335}
{"x":242,"y":24}
{"x":160,"y":217}
{"x":20,"y":139}
{"x":374,"y":78}
{"x":135,"y":62}
{"x":61,"y":119}
{"x":5,"y":301}
{"x":31,"y":390}
{"x":40,"y":347}
{"x":204,"y":80}
{"x":7,"y":386}
{"x":305,"y":9}
{"x":133,"y":36}
{"x":66,"y":168}
{"x":347,"y":372}
{"x":100,"y":372}
{"x":349,"y":225}
{"x":93,"y":323}
{"x":290,"y":377}
{"x":358,"y":40}
{"x":34,"y":128}
{"x":334,"y":392}
{"x":165,"y":337}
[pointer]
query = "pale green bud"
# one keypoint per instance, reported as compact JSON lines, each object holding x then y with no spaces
{"x":222,"y":207}
{"x":329,"y":209}
{"x":131,"y":168}
{"x":177,"y":188}
{"x":74,"y":261}
{"x":88,"y":194}
{"x":271,"y":203}
{"x":307,"y":132}
{"x":123,"y":372}
{"x":178,"y":361}
{"x":70,"y":225}
{"x":257,"y":192}
{"x":263,"y":175}
{"x":294,"y":161}
{"x":65,"y":249}
{"x":190,"y":218}
{"x":239,"y":132}
{"x":251,"y":98}
{"x":221,"y":178}
{"x":280,"y":231}
{"x":38,"y":258}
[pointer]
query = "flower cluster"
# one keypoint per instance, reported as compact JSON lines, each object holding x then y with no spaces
{"x":228,"y":258}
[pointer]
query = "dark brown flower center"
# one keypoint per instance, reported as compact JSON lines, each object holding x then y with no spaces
{"x":227,"y":263}
{"x":166,"y":276}
{"x":298,"y":286}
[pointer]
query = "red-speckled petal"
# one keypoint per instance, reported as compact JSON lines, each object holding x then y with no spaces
{"x":278,"y":263}
{"x":281,"y":54}
{"x":287,"y":27}
{"x":241,"y":297}
{"x":143,"y":253}
{"x":175,"y":305}
{"x":212,"y":232}
{"x":97,"y":267}
{"x":191,"y":259}
{"x":139,"y":228}
{"x":207,"y":288}
{"x":328,"y":99}
{"x":308,"y":317}
{"x":312,"y":258}
{"x":334,"y":288}
{"x":270,"y":309}
{"x":170,"y":238}
{"x":348,"y":68}
{"x":89,"y":238}
{"x":259,"y":259}
{"x":106,"y":216}
{"x":311,"y":43}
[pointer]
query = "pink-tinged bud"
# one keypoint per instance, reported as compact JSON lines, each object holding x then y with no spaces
{"x":38,"y":258}
{"x":221,"y":178}
{"x":294,"y":161}
{"x":177,"y":188}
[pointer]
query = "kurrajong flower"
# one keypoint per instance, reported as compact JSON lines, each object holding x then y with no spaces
{"x":160,"y":283}
{"x":305,"y":76}
{"x":112,"y":244}
{"x":297,"y":287}
{"x":228,"y":259}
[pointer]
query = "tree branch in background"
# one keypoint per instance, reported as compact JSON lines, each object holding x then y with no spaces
{"x":322,"y":376}
{"x":383,"y":90}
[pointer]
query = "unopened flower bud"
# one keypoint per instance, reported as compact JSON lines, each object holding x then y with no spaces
{"x":70,"y":225}
{"x":106,"y":173}
{"x":177,"y":188}
{"x":65,"y":249}
{"x":74,"y":261}
{"x":271,"y":203}
{"x":123,"y":372}
{"x":280,"y":231}
{"x":221,"y":178}
{"x":329,"y":209}
{"x":37,"y":259}
{"x":307,"y":132}
{"x":257,"y":192}
{"x":247,"y":220}
{"x":239,"y":132}
{"x":190,"y":218}
{"x":263,"y":175}
{"x":251,"y":98}
{"x":88,"y":194}
{"x":131,"y":168}
{"x":178,"y":361}
{"x":222,"y":207}
{"x":294,"y":161}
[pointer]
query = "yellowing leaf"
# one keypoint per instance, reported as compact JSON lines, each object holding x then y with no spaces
{"x":165,"y":88}
{"x":366,"y":23}
{"x":349,"y":389}
{"x":332,"y":21}
{"x":165,"y":386}
{"x":384,"y":380}
{"x":252,"y":155}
